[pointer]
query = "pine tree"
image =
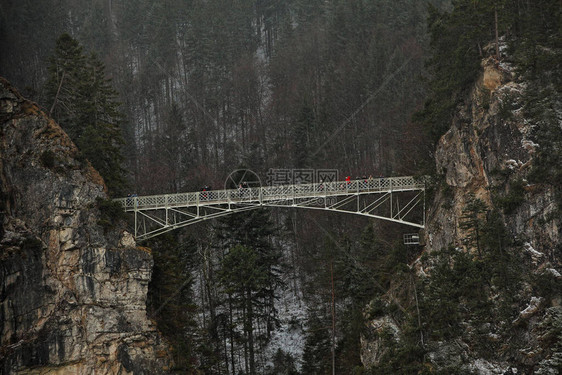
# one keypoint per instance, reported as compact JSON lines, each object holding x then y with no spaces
{"x":244,"y":276}
{"x":283,"y":364}
{"x":170,"y":299}
{"x":538,"y":54}
{"x":250,"y":276}
{"x":472,"y":221}
{"x":100,"y":140}
{"x":67,"y":68}
{"x":502,"y":263}
{"x":457,"y":41}
{"x":301,"y":137}
{"x":317,"y":358}
{"x":552,"y":324}
{"x":86,"y":106}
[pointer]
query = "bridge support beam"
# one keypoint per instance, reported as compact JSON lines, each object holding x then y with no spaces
{"x":375,"y":198}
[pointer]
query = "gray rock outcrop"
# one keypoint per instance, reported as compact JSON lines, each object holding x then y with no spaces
{"x":487,"y":148}
{"x":488,"y":154}
{"x":73,"y":292}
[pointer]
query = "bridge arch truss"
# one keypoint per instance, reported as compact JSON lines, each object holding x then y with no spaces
{"x":396,"y":199}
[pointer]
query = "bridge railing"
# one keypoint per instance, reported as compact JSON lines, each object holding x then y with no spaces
{"x":271,"y":193}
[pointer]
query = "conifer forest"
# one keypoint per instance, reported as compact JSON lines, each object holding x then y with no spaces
{"x":169,"y":96}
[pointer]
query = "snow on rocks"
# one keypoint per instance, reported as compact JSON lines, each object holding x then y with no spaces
{"x":512,"y":164}
{"x":535,"y":255}
{"x":529,"y":145}
{"x":531,"y":309}
{"x":554,"y":273}
{"x":481,"y":366}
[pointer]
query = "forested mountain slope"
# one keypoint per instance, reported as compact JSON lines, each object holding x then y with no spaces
{"x":210,"y":86}
{"x":484,"y":297}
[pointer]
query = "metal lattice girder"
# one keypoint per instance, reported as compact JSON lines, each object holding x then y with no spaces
{"x":156,"y":214}
{"x":412,"y":239}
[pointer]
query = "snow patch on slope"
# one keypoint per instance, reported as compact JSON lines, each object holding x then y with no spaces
{"x":290,"y":336}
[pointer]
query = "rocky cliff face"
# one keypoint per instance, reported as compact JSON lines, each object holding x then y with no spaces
{"x":485,"y":153}
{"x":73,"y":292}
{"x":488,"y":154}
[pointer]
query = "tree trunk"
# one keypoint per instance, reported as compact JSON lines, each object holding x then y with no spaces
{"x":57,"y":95}
{"x":497,"y":38}
{"x":333,"y":320}
{"x":231,"y":330}
{"x":244,"y":317}
{"x":250,"y":327}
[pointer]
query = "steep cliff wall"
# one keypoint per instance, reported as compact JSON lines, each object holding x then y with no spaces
{"x":488,"y":153}
{"x":489,"y":309}
{"x":72,"y":292}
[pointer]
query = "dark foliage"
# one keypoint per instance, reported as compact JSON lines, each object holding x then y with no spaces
{"x":84,"y":103}
{"x":170,"y":300}
{"x":111,"y":213}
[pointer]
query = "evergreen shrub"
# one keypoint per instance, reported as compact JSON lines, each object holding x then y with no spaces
{"x":514,"y":198}
{"x":111,"y":213}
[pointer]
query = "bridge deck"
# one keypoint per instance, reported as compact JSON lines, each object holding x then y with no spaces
{"x":272,"y":194}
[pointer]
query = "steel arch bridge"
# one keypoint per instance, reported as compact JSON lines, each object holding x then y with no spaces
{"x":373,"y":197}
